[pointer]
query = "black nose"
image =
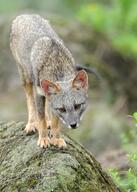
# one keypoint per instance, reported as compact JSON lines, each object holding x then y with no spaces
{"x":73,"y":126}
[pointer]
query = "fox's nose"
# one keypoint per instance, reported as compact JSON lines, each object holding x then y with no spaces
{"x":73,"y":126}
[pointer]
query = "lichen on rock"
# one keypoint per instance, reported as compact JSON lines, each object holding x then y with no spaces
{"x":25,"y":167}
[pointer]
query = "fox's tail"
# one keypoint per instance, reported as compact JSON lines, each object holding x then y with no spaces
{"x":89,"y":70}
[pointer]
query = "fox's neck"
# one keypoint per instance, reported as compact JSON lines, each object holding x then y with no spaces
{"x":66,"y":79}
{"x":66,"y":82}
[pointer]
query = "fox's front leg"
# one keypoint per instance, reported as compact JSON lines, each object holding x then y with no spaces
{"x":32,"y":124}
{"x":56,"y":140}
{"x":42,"y":127}
{"x":44,"y":140}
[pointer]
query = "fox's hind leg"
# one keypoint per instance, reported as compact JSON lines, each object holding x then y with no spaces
{"x":56,"y":139}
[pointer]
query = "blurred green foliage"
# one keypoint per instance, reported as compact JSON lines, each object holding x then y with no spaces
{"x":116,"y":21}
{"x":128,"y":181}
{"x":42,"y":5}
{"x":67,"y":7}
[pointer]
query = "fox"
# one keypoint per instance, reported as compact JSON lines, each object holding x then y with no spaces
{"x":55,"y":92}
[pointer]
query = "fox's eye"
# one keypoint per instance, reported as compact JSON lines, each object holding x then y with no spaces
{"x":62,"y":110}
{"x":77,"y":106}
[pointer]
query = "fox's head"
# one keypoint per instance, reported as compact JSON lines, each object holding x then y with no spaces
{"x":68,"y":99}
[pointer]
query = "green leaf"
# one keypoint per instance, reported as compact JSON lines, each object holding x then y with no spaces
{"x":135,"y":115}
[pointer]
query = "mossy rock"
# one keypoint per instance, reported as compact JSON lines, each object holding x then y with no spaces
{"x":24,"y":167}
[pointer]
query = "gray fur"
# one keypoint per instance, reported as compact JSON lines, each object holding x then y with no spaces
{"x":41,"y":55}
{"x":38,"y":50}
{"x":68,"y":100}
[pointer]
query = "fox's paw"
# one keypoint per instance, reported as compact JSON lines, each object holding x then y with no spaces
{"x":30,"y":127}
{"x":59,"y":142}
{"x":44,"y":142}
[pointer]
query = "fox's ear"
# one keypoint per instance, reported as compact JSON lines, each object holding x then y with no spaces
{"x":81,"y":80}
{"x":49,"y":88}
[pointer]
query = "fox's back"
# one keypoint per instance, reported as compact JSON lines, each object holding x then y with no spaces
{"x":26,"y":31}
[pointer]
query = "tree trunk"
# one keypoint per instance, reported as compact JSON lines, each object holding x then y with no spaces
{"x":24,"y":167}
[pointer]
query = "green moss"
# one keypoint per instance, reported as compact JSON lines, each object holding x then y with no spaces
{"x":26,"y":167}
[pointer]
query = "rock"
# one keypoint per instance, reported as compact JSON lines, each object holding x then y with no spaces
{"x":24,"y":167}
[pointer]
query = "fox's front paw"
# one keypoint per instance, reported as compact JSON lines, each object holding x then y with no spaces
{"x":44,"y":142}
{"x":59,"y":142}
{"x":30,"y":127}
